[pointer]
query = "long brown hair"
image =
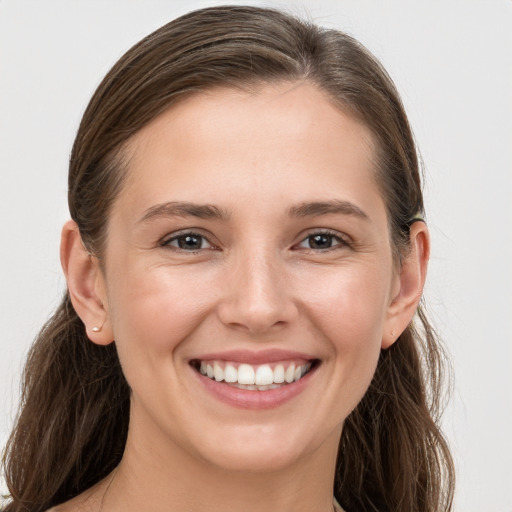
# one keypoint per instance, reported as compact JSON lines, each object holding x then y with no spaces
{"x":73,"y":420}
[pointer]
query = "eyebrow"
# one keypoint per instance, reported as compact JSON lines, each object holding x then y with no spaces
{"x":184,"y":209}
{"x":209,"y":211}
{"x":326,"y":208}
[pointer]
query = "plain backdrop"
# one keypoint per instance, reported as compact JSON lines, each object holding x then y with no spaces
{"x":451,"y":61}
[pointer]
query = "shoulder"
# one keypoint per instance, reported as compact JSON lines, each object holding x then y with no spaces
{"x":73,"y":506}
{"x":86,"y":502}
{"x":66,"y":507}
{"x":337,"y":506}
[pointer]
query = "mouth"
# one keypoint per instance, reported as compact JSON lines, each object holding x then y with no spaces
{"x":251,"y":377}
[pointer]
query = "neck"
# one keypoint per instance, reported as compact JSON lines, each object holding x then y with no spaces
{"x":158,"y":475}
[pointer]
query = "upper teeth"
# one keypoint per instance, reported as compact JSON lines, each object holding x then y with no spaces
{"x":246,"y":374}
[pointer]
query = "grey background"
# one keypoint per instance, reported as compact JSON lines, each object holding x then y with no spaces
{"x":452,"y":62}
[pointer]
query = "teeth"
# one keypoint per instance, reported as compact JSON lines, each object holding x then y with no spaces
{"x":279,"y":374}
{"x":230,"y":373}
{"x":246,"y":386}
{"x":259,"y":378}
{"x":218,"y":372}
{"x":264,"y":375}
{"x":245,"y":374}
{"x":289,"y":374}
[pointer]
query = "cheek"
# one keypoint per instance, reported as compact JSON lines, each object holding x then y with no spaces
{"x":349,"y":311}
{"x":350,"y":306}
{"x":152,"y":311}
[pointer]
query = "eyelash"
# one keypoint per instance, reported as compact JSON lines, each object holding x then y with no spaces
{"x":183,"y":235}
{"x":333,"y":235}
{"x":340,"y":241}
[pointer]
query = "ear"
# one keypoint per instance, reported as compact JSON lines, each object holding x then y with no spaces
{"x":86,"y":285}
{"x":408,"y":287}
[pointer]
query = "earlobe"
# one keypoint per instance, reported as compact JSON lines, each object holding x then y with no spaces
{"x":411,"y":279}
{"x":86,"y":285}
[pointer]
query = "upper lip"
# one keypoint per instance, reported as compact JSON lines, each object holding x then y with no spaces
{"x":254,"y":357}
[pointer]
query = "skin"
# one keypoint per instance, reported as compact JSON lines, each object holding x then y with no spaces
{"x":256,"y":283}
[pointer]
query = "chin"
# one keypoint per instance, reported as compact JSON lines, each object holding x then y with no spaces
{"x":256,"y":460}
{"x":261,"y":449}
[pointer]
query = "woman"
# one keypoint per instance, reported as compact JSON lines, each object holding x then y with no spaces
{"x":246,"y":256}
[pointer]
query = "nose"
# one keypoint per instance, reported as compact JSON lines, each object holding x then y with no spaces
{"x":258,"y":296}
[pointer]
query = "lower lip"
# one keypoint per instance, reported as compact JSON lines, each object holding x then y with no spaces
{"x":256,"y":400}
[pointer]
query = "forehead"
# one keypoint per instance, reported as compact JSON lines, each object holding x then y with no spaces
{"x":265,"y":139}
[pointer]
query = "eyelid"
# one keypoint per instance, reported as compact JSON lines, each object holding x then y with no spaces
{"x":344,"y":240}
{"x":167,"y":239}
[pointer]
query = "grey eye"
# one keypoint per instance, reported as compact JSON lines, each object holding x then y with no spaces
{"x":189,"y":242}
{"x":319,"y":241}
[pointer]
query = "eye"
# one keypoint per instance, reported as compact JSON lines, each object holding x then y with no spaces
{"x":322,"y":241}
{"x":189,"y":242}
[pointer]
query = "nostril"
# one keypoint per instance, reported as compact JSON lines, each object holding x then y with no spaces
{"x":255,"y":320}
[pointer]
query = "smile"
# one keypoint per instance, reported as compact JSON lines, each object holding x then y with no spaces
{"x":254,"y":377}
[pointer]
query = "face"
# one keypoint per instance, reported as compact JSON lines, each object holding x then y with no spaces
{"x":248,"y":275}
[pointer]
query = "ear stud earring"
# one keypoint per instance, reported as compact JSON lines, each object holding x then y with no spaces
{"x":96,"y":329}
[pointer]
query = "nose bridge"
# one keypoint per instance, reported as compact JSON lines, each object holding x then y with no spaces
{"x":257,"y":296}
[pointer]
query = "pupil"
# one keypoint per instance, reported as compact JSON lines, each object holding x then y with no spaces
{"x":189,"y":242}
{"x":320,"y":241}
